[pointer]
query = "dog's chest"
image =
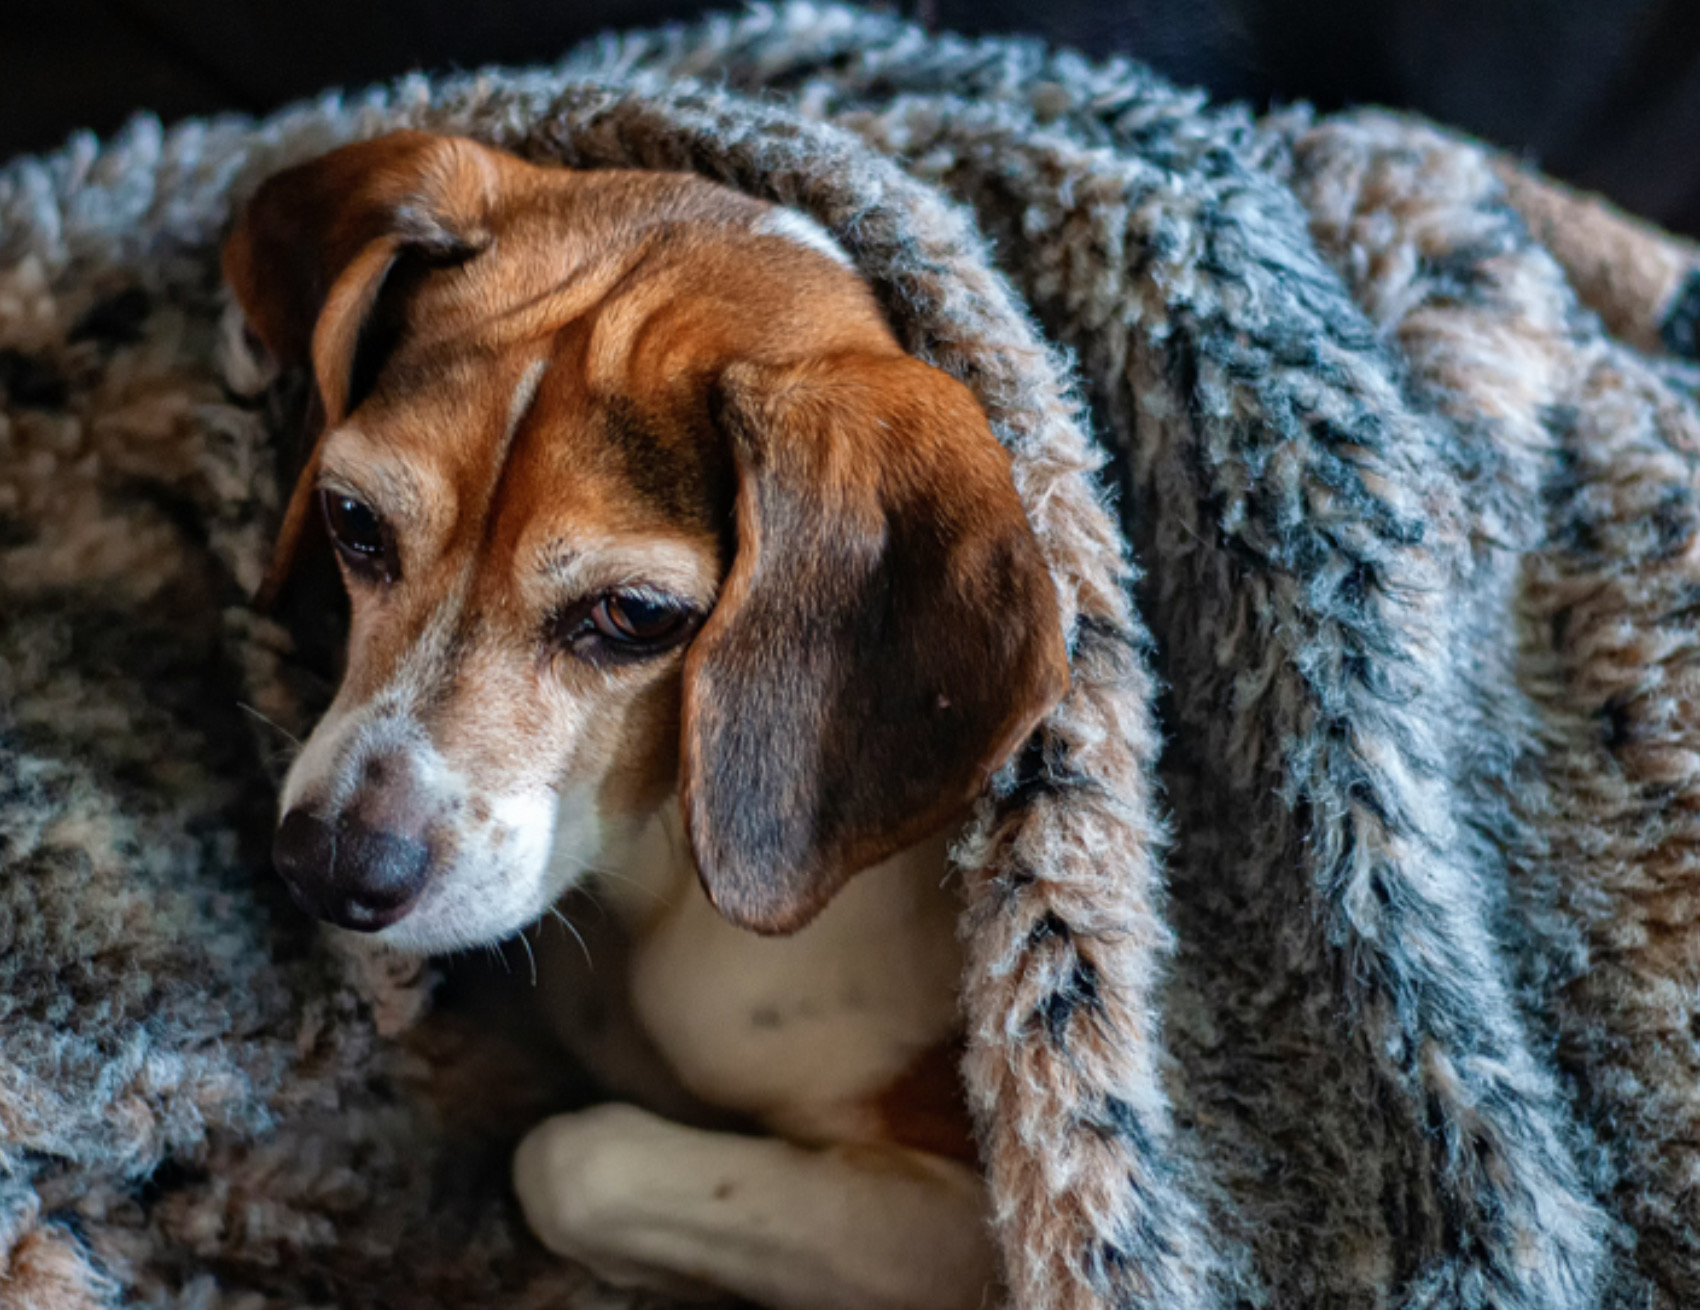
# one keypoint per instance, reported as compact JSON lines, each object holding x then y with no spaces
{"x":804,"y":1032}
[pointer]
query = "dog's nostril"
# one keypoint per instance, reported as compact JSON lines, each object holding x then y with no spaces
{"x":303,"y":846}
{"x":347,"y":873}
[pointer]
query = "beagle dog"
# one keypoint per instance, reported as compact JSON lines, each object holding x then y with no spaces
{"x":671,"y":571}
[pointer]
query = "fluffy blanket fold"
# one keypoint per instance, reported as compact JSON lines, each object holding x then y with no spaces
{"x":1337,"y":942}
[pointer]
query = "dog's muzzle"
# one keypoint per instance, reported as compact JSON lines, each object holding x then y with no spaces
{"x":348,"y":873}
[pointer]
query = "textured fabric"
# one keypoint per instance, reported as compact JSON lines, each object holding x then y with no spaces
{"x":1333,"y":944}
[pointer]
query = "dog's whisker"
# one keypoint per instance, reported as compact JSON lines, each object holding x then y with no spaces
{"x":676,"y":850}
{"x":621,"y":877}
{"x":577,"y":936}
{"x":595,"y":901}
{"x":272,"y":724}
{"x":526,"y":942}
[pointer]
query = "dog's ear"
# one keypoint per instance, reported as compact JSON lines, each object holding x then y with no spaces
{"x":311,"y":253}
{"x":887,"y":637}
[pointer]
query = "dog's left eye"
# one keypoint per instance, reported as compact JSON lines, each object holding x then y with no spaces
{"x":637,"y":620}
{"x":358,"y":532}
{"x":625,"y":625}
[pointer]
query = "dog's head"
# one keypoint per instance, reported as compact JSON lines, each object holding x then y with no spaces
{"x":635,"y":496}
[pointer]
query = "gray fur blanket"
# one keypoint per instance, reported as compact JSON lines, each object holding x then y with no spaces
{"x":1335,"y":943}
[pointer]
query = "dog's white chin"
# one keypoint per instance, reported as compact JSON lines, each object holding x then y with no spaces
{"x":490,"y":895}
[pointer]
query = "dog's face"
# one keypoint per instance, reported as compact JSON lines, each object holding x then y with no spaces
{"x":637,"y":503}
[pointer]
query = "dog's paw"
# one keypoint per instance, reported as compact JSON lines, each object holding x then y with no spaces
{"x":583,"y":1181}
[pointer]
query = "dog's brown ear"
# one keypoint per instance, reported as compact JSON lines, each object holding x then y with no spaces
{"x":311,"y":252}
{"x":888,"y":634}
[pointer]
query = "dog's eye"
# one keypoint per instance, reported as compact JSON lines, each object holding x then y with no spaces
{"x":623,"y":626}
{"x":358,"y":533}
{"x":637,"y":620}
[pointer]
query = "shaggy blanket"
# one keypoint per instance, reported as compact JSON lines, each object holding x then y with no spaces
{"x":1335,"y":943}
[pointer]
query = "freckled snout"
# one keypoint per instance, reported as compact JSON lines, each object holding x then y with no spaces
{"x":362,"y":868}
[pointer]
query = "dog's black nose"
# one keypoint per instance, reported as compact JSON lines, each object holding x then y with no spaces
{"x":348,"y":873}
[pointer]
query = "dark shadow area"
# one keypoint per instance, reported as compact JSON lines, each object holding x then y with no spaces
{"x":1604,"y":93}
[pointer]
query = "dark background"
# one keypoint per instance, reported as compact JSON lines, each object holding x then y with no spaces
{"x":1605,"y":93}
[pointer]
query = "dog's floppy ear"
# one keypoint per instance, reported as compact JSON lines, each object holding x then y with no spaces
{"x":312,"y":250}
{"x":888,"y":634}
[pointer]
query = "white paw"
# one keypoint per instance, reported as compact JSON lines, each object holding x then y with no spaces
{"x":580,"y":1181}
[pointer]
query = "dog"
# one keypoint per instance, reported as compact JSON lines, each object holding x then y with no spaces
{"x":668,"y":568}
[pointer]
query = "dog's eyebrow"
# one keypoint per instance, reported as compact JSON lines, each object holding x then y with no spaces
{"x":671,"y":566}
{"x":354,"y":466}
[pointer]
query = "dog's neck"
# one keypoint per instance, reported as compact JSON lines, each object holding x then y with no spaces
{"x":642,"y":867}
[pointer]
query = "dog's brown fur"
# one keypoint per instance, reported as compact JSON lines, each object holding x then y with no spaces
{"x":550,"y":385}
{"x":697,"y":375}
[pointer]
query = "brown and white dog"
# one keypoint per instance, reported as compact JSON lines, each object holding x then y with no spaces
{"x":666,"y":563}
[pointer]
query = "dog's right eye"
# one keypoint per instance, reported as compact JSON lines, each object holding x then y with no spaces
{"x":359,"y":534}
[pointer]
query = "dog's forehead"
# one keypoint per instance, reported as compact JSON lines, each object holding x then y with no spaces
{"x":438,"y":417}
{"x":763,"y":281}
{"x":580,"y":414}
{"x":587,"y":474}
{"x":567,"y":369}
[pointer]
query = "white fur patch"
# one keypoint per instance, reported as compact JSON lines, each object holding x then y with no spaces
{"x":797,"y":1030}
{"x":802,"y":229}
{"x":490,"y":891}
{"x":523,"y":396}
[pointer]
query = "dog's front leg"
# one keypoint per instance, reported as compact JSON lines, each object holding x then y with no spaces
{"x":643,"y":1201}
